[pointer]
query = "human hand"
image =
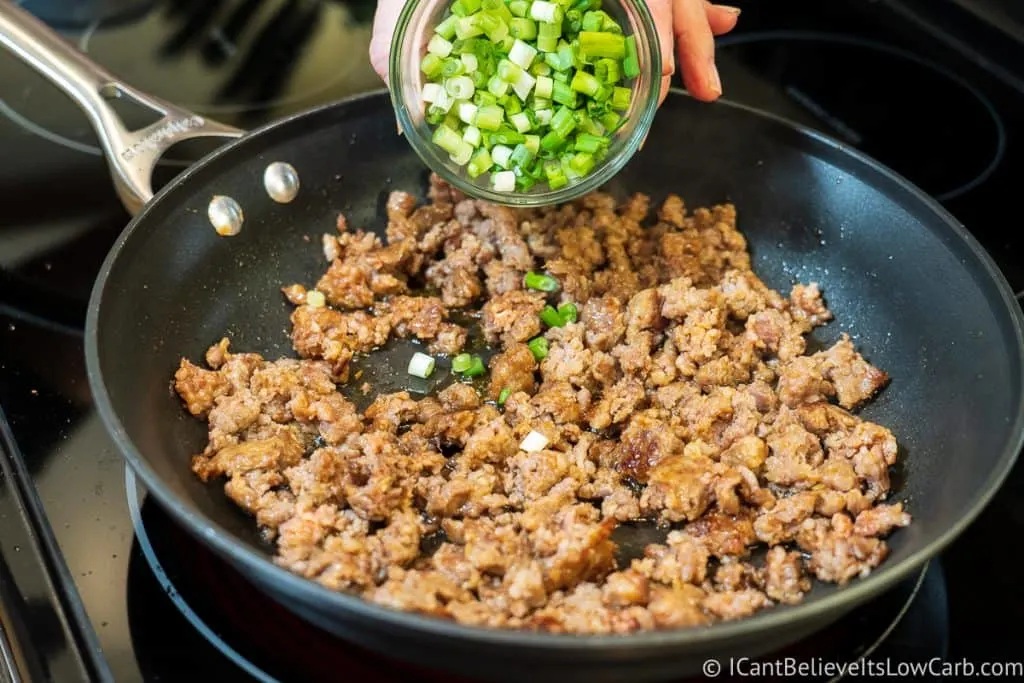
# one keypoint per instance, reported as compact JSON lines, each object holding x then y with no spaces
{"x":692,"y":24}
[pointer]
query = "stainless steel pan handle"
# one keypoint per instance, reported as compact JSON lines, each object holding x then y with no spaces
{"x":131,"y":155}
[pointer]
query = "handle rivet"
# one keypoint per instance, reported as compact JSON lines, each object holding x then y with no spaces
{"x":226,"y":216}
{"x":281,"y":182}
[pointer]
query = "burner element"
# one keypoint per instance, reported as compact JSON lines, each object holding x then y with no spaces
{"x":918,"y":118}
{"x":270,"y":643}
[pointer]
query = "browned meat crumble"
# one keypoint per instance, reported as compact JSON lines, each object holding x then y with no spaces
{"x":684,"y":394}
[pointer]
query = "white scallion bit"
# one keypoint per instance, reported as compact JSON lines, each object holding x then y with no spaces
{"x":543,"y":11}
{"x":225,"y":215}
{"x":533,"y":442}
{"x":467,"y":112}
{"x":432,"y":92}
{"x":473,"y":136}
{"x":421,"y":365}
{"x":439,"y":46}
{"x":281,"y":182}
{"x":521,"y":54}
{"x":500,"y":154}
{"x":504,"y":181}
{"x":523,"y":85}
{"x":316,"y":299}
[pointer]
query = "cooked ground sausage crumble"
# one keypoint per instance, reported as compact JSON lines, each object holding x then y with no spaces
{"x":684,"y":395}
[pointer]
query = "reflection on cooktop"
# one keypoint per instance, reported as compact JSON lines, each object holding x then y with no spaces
{"x":942,"y":134}
{"x":240,"y":61}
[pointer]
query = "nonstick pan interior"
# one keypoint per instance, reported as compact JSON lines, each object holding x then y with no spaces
{"x":918,"y":296}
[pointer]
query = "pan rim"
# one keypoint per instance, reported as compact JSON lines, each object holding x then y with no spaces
{"x":254,"y":564}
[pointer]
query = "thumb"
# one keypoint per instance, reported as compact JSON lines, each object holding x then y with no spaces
{"x":661,"y":10}
{"x":385,"y":18}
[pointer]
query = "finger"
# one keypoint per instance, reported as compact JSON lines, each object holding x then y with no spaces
{"x":721,"y":18}
{"x":696,"y":49}
{"x":385,"y":18}
{"x":661,"y":11}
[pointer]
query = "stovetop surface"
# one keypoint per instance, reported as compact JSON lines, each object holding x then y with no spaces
{"x":879,"y":75}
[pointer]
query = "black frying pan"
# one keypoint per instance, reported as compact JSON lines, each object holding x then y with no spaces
{"x":925,"y":301}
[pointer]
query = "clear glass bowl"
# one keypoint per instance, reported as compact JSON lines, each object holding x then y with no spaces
{"x":408,"y":46}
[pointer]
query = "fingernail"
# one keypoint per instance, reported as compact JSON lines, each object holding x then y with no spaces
{"x":716,"y":81}
{"x":730,"y":9}
{"x":642,"y":142}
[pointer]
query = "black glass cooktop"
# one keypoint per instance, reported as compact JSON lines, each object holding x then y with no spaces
{"x":97,"y":583}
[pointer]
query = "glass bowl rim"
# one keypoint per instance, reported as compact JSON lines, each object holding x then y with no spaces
{"x":602,"y":173}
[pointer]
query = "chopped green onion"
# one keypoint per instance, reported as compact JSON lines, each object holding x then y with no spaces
{"x":461,"y":362}
{"x":548,"y":35}
{"x":522,"y":54}
{"x":607,"y":71}
{"x":521,"y":92}
{"x":446,"y":29}
{"x":476,"y":367}
{"x":544,"y":88}
{"x":471,"y":62}
{"x":582,"y":163}
{"x":540,"y":282}
{"x":538,"y":347}
{"x":521,"y":121}
{"x":460,"y":87}
{"x":620,"y":98}
{"x":594,"y":44}
{"x":503,"y":396}
{"x":591,"y":144}
{"x":480,"y":163}
{"x":585,"y":83}
{"x":421,"y":365}
{"x":563,"y":122}
{"x":489,"y":117}
{"x":568,"y":312}
{"x":432,"y":66}
{"x":507,"y":136}
{"x":467,"y":114}
{"x":508,"y":71}
{"x":462,"y":154}
{"x":521,"y":156}
{"x":467,"y":27}
{"x":501,"y":155}
{"x":447,"y":139}
{"x":547,"y":12}
{"x":563,"y":94}
{"x":555,"y":175}
{"x":631,"y":63}
{"x":503,"y":181}
{"x":532,"y":143}
{"x":439,"y":46}
{"x":497,"y":86}
{"x":512,"y":106}
{"x":549,"y":316}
